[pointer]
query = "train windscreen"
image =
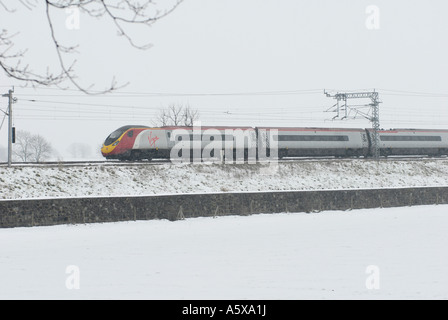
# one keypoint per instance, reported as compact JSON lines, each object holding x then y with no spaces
{"x":114,"y":136}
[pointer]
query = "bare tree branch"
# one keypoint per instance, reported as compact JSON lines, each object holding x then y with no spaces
{"x":190,"y":116}
{"x":122,"y":13}
{"x":176,"y":116}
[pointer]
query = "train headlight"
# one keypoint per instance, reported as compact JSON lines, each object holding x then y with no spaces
{"x":116,"y":143}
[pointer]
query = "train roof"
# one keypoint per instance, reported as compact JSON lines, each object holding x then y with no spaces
{"x":124,"y":128}
{"x":411,"y":130}
{"x":304,"y":129}
{"x":205,"y":127}
{"x":310,"y":129}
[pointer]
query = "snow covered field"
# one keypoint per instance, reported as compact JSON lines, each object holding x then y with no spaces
{"x":284,"y":256}
{"x":41,"y":182}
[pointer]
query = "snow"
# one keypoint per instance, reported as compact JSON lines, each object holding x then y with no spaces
{"x":102,"y":180}
{"x":282,"y":256}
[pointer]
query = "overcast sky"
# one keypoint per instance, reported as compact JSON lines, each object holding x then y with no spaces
{"x":239,"y":62}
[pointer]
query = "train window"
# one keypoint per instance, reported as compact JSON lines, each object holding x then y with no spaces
{"x":310,"y":138}
{"x":116,"y":134}
{"x":130,"y":134}
{"x":210,"y":137}
{"x":168,"y":134}
{"x":411,"y":138}
{"x":224,"y":137}
{"x":113,"y":137}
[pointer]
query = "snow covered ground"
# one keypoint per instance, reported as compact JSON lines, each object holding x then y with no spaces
{"x":397,"y":253}
{"x":41,"y":182}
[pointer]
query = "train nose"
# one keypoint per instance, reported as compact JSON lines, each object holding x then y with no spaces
{"x":105,"y":150}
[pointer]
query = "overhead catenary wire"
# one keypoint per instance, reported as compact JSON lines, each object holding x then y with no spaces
{"x":4,"y":117}
{"x":290,"y":110}
{"x":414,"y":93}
{"x":78,"y":108}
{"x":77,"y":93}
{"x":186,"y":94}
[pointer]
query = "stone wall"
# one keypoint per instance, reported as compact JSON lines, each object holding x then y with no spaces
{"x":47,"y":212}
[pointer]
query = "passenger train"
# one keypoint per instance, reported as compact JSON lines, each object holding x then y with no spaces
{"x":145,"y":143}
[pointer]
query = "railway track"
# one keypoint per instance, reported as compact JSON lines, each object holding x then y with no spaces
{"x":166,"y":161}
{"x":84,"y":163}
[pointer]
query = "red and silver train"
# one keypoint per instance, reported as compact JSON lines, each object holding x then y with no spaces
{"x":141,"y":142}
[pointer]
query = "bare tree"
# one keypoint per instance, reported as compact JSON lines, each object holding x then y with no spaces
{"x":22,"y":148}
{"x":176,"y":116}
{"x":42,"y":149}
{"x":31,"y":148}
{"x":170,"y":116}
{"x":190,"y":116}
{"x":123,"y":14}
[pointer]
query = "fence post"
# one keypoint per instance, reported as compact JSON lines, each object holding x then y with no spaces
{"x":180,"y":214}
{"x":216,"y":212}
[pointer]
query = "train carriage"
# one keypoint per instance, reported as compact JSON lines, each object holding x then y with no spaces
{"x":309,"y":142}
{"x":211,"y":143}
{"x":399,"y":142}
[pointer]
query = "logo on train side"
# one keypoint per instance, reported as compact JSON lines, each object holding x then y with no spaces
{"x":152,"y":140}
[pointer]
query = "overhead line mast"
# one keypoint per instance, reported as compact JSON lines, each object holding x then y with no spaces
{"x":356,"y":112}
{"x":11,"y":133}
